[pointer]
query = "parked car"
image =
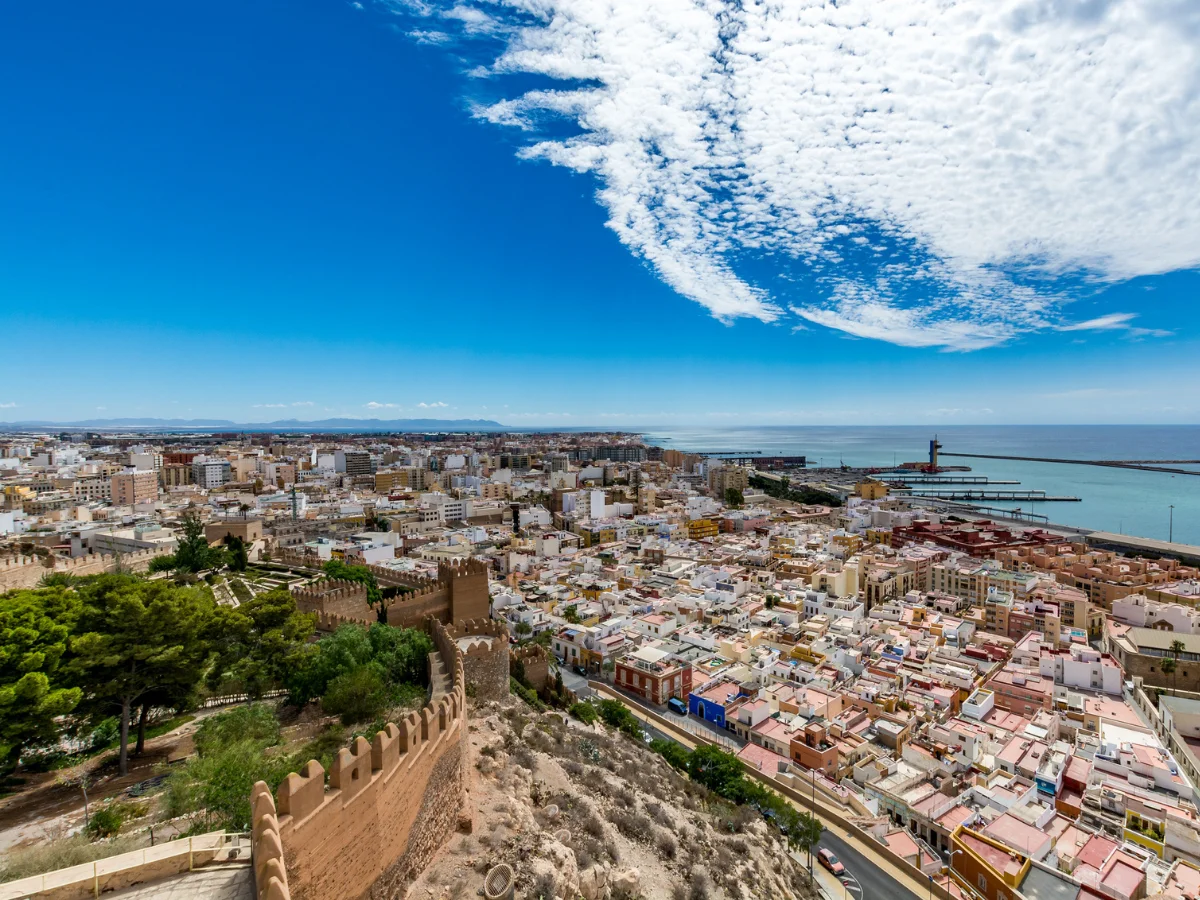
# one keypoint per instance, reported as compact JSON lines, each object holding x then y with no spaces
{"x":676,"y":705}
{"x":831,"y":862}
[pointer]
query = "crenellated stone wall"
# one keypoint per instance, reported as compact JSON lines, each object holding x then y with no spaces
{"x":535,"y":659}
{"x":458,"y":593}
{"x":388,"y":806}
{"x":334,"y":600}
{"x":26,"y":571}
{"x":484,"y":646}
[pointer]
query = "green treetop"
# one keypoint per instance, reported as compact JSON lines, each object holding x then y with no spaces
{"x":34,"y":633}
{"x":135,"y":638}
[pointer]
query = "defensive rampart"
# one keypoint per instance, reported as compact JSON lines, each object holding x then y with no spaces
{"x":458,"y":593}
{"x":484,"y":647}
{"x":389,"y":803}
{"x":27,"y":571}
{"x":336,"y":600}
{"x":535,"y":663}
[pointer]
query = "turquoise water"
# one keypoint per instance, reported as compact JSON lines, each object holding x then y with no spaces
{"x":1127,"y":501}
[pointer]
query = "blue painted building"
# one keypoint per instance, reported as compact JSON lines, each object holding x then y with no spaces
{"x":711,"y":701}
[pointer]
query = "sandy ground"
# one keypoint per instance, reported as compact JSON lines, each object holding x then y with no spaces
{"x":45,"y":808}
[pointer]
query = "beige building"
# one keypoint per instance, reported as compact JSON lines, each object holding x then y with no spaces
{"x":722,"y":478}
{"x":90,"y":489}
{"x":175,"y":475}
{"x":493,"y":490}
{"x":129,"y":488}
{"x":410,"y":478}
{"x":281,"y":474}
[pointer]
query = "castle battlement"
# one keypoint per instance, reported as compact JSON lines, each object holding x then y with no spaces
{"x":459,"y":592}
{"x":386,"y":807}
{"x":27,"y":571}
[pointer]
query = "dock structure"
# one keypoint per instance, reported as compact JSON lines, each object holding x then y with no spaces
{"x":1032,"y":496}
{"x":1147,"y":465}
{"x":909,"y":481}
{"x":767,"y":462}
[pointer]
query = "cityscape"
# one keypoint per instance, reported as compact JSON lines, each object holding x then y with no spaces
{"x":600,"y":450}
{"x":902,"y":692}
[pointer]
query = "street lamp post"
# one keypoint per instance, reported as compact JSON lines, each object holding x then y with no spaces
{"x":813,"y":773}
{"x":1171,"y":525}
{"x":950,"y":867}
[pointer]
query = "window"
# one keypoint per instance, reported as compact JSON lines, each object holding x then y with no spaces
{"x":982,"y":883}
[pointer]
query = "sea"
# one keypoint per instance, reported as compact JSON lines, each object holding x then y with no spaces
{"x":1125,"y":501}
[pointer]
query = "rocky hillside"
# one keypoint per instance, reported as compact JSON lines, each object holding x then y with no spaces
{"x":578,"y":812}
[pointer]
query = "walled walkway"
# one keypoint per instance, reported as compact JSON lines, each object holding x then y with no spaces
{"x":231,"y":882}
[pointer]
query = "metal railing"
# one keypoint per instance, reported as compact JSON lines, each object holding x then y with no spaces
{"x":198,"y":851}
{"x":227,"y":699}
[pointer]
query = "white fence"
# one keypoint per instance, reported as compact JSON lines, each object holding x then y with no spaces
{"x":124,"y":869}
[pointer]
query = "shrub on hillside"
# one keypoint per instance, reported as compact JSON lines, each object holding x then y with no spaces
{"x":584,"y":711}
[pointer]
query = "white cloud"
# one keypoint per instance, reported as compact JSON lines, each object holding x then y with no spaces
{"x":438,"y":405}
{"x":936,"y":164}
{"x":270,"y":406}
{"x":430,"y":37}
{"x":1101,"y":323}
{"x":8,"y":406}
{"x":101,"y":408}
{"x":1114,"y":322}
{"x":376,"y":405}
{"x":303,"y":403}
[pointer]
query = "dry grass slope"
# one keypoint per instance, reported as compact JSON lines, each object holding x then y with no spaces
{"x":579,"y":813}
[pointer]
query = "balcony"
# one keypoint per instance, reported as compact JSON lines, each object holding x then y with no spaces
{"x":1147,"y":829}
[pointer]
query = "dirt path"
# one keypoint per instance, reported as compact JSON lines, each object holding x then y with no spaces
{"x":45,"y":808}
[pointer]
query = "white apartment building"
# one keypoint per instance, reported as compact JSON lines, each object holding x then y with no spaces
{"x":1141,"y":612}
{"x":818,"y":603}
{"x":1081,"y":667}
{"x":211,"y":473}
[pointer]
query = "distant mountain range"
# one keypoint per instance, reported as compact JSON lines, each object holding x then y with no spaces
{"x":281,"y":425}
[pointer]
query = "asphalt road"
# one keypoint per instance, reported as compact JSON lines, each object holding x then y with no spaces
{"x":866,"y":881}
{"x":576,"y":684}
{"x":863,"y":880}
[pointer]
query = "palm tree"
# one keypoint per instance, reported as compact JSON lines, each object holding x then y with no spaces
{"x":1176,"y":649}
{"x":1168,"y":668}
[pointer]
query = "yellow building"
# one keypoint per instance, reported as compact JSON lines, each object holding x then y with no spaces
{"x":410,"y":478}
{"x":850,"y":543}
{"x":17,"y":494}
{"x":698,"y":529}
{"x":882,"y":536}
{"x":870,"y":489}
{"x":1145,"y":825}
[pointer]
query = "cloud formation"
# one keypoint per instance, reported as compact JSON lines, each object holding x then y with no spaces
{"x":437,"y":405}
{"x":940,"y":171}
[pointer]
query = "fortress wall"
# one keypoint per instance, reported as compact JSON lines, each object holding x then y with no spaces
{"x":26,"y":571}
{"x":387,"y":807}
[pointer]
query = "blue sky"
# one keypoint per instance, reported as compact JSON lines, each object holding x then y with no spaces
{"x":265,"y":210}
